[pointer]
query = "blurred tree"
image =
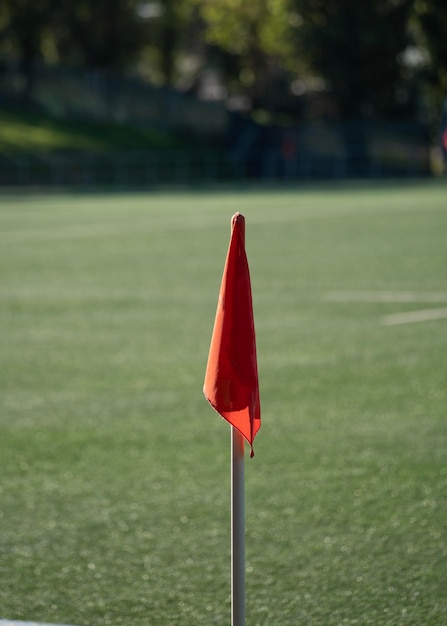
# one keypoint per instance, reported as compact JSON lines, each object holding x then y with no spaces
{"x":259,"y":46}
{"x":24,"y":23}
{"x":431,"y":16}
{"x":170,"y":30}
{"x":166,"y":24}
{"x":102,"y":34}
{"x":356,"y":47}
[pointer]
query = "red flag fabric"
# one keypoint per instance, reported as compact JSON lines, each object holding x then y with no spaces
{"x":231,"y":378}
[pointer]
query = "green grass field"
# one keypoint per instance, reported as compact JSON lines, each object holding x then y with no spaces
{"x":114,"y":471}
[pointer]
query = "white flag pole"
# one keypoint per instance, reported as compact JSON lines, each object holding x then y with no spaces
{"x":237,"y":529}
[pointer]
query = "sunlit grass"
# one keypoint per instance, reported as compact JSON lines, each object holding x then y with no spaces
{"x":32,"y":132}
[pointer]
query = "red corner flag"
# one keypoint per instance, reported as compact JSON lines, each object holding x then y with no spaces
{"x":231,"y":378}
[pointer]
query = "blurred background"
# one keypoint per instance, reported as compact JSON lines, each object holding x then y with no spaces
{"x":128,"y":92}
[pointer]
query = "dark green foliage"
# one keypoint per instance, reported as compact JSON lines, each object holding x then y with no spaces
{"x":356,"y":47}
{"x":257,"y":50}
{"x":432,"y":17}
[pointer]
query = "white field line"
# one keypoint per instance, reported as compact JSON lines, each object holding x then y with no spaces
{"x":410,"y":317}
{"x":386,"y":296}
{"x":8,"y":622}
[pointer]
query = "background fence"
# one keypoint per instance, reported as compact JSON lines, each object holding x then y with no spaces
{"x":114,"y":169}
{"x":171,"y":168}
{"x":239,"y":148}
{"x":93,"y":95}
{"x":361,"y":148}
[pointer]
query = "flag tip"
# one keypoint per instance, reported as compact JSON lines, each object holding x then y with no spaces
{"x":238,"y":218}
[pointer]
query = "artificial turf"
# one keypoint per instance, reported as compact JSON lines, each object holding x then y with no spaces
{"x":114,"y":471}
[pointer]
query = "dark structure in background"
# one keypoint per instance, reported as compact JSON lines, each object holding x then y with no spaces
{"x":330,"y":149}
{"x":235,"y":147}
{"x":444,"y":135}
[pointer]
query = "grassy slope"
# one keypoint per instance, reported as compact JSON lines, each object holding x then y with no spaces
{"x":33,"y":132}
{"x":113,"y":469}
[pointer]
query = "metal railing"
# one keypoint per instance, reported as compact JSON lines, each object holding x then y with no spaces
{"x":146,"y":170}
{"x":75,"y":93}
{"x":113,"y":169}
